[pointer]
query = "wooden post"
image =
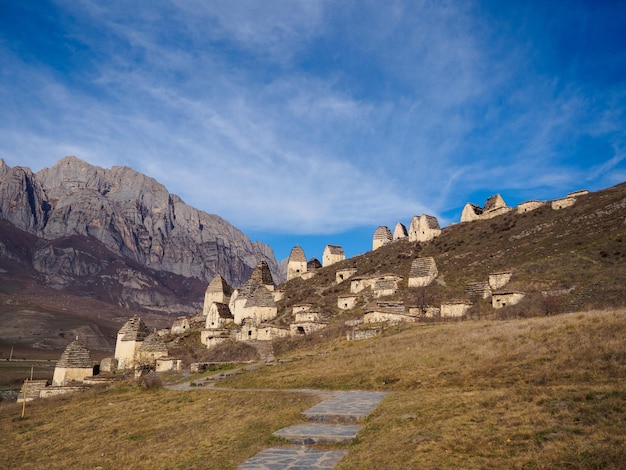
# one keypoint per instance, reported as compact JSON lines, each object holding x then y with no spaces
{"x":24,"y":400}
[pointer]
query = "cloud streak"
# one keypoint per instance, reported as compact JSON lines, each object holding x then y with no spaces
{"x":319,"y":117}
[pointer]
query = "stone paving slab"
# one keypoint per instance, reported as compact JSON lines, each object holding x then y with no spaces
{"x":314,"y":433}
{"x":347,"y":407}
{"x":293,"y":459}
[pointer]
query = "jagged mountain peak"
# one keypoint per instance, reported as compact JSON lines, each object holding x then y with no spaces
{"x":133,"y":215}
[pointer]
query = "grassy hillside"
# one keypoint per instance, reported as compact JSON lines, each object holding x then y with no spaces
{"x":527,"y":393}
{"x":579,"y":251}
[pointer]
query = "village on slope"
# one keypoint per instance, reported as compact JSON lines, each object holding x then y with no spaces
{"x":246,"y":314}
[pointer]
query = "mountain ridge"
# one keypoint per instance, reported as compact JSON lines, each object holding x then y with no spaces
{"x":132,"y":215}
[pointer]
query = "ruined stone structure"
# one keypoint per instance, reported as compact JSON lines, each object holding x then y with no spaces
{"x":580,"y":192}
{"x":471,"y":212}
{"x":423,"y":272}
{"x":313,"y":264}
{"x":382,"y":236}
{"x":400,"y":232}
{"x":164,"y":364}
{"x":306,"y":322}
{"x":502,"y":299}
{"x":108,"y":364}
{"x":391,"y":318}
{"x":301,"y":308}
{"x":252,"y":331}
{"x":347,"y":302}
{"x":499,"y":280}
{"x":426,"y":311}
{"x":562,"y":203}
{"x":478,"y":289}
{"x":332,"y":254}
{"x":75,"y":364}
{"x":129,"y":338}
{"x":528,"y":206}
{"x":379,"y":285}
{"x":151,"y":349}
{"x":424,"y":228}
{"x":219,"y":291}
{"x":180,"y":326}
{"x":494,"y":206}
{"x":343,"y":274}
{"x":296,"y":265}
{"x":454,"y":308}
{"x":363,"y":332}
{"x":386,"y":286}
{"x":390,"y":313}
{"x":213,"y":337}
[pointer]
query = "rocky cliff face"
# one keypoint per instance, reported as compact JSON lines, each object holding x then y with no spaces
{"x":130,"y":215}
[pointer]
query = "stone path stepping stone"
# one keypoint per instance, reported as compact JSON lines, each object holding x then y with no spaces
{"x":309,"y":434}
{"x":341,"y":407}
{"x":292,"y":459}
{"x":346,"y":407}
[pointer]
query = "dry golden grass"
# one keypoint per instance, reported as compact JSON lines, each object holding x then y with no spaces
{"x":127,"y":427}
{"x":537,"y":393}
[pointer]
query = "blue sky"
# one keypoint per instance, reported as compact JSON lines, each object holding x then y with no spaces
{"x":313,"y":122}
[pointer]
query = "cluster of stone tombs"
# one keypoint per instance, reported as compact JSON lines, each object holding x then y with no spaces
{"x":422,"y":273}
{"x":245,"y":314}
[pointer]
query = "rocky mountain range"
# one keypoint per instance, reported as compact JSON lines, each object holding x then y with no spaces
{"x":118,"y":236}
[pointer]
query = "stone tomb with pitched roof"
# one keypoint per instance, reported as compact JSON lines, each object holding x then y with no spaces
{"x":129,"y":338}
{"x":332,"y":254}
{"x":382,"y":237}
{"x":423,"y":272}
{"x":296,"y":265}
{"x":219,"y":291}
{"x":74,"y":365}
{"x":400,"y":232}
{"x":151,"y":349}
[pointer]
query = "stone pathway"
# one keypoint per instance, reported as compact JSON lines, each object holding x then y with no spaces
{"x":332,"y":421}
{"x":327,"y":426}
{"x":289,"y":458}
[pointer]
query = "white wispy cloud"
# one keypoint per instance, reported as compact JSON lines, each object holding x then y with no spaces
{"x":312,"y":116}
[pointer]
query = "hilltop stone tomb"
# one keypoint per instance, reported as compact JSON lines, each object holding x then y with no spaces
{"x":400,"y":232}
{"x":562,"y":203}
{"x":493,"y":207}
{"x":382,"y":237}
{"x":332,"y":254}
{"x":424,"y":228}
{"x":296,"y":265}
{"x":528,"y":206}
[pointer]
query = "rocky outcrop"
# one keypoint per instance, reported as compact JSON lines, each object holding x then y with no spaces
{"x":132,"y":215}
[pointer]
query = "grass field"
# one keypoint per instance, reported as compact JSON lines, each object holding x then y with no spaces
{"x":531,"y":393}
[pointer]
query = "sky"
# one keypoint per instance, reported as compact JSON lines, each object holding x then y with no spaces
{"x":313,"y":122}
